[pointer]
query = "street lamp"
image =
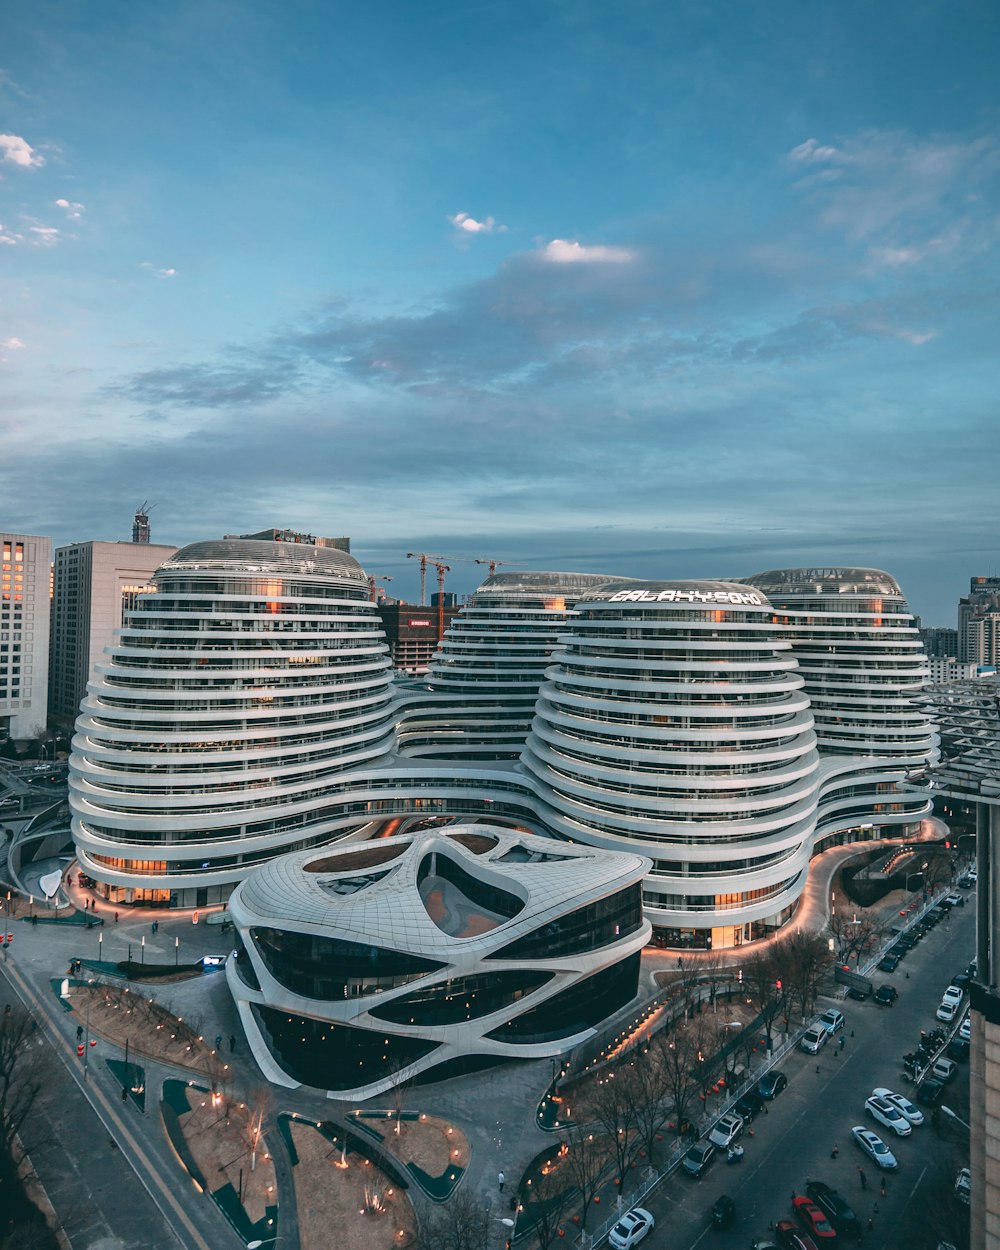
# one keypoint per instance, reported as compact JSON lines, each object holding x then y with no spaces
{"x":952,"y":1116}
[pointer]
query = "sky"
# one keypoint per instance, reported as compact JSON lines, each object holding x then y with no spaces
{"x":661,"y":290}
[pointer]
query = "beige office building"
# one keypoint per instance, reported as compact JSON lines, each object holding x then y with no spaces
{"x":94,"y":585}
{"x":24,"y":634}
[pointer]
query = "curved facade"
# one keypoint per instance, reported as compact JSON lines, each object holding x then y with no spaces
{"x":863,"y":665}
{"x":374,"y":962}
{"x":238,"y":693}
{"x":479,"y":697}
{"x":673,"y":720}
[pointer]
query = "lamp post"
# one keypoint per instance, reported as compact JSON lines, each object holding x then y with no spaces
{"x":86,"y":1041}
{"x":177,"y":948}
{"x":144,"y":948}
{"x":952,"y":1116}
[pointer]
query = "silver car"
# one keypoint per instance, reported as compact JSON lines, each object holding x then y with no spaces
{"x":874,"y":1147}
{"x":881,"y":1109}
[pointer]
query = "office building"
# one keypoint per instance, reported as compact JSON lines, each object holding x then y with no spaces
{"x":444,"y":950}
{"x":940,"y":643}
{"x":95,"y":585}
{"x":411,"y":634}
{"x":979,"y":622}
{"x":24,"y":635}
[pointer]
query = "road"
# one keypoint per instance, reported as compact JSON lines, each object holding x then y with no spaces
{"x":824,"y":1098}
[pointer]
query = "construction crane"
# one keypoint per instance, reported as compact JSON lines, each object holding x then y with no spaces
{"x":442,"y":569}
{"x":373,"y":589}
{"x":494,"y":564}
{"x":426,"y":558}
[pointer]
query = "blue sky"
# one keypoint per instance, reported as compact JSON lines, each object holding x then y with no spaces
{"x":658,"y":289}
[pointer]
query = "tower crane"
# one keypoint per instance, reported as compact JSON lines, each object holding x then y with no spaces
{"x":426,"y":558}
{"x":494,"y":564}
{"x":373,"y":589}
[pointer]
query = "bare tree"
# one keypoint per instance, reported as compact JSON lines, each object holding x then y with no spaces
{"x":585,"y":1164}
{"x":21,"y":1073}
{"x":856,"y":932}
{"x":676,"y":1055}
{"x":651,"y":1091}
{"x":550,"y":1198}
{"x":803,"y":958}
{"x":614,"y":1107}
{"x":764,"y":987}
{"x":713,"y":973}
{"x":464,"y":1222}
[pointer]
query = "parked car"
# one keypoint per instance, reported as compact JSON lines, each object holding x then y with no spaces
{"x":889,"y":962}
{"x":947,"y":1012}
{"x":699,"y":1159}
{"x":958,"y":1050}
{"x":944,"y":1070}
{"x":788,"y":1234}
{"x":837,"y":1210}
{"x":814,"y":1221}
{"x":726,"y":1131}
{"x":965,"y":881}
{"x":953,"y":994}
{"x":814,"y":1039}
{"x":954,"y":900}
{"x":963,"y":1186}
{"x":874,"y":1147}
{"x":749,"y":1104}
{"x":929,"y":1093}
{"x":902,"y":1105}
{"x":832,"y":1020}
{"x":771,"y":1084}
{"x":961,"y":979}
{"x":857,"y":993}
{"x":886,"y":995}
{"x":888,"y":1116}
{"x":965,"y":1032}
{"x":631,"y":1229}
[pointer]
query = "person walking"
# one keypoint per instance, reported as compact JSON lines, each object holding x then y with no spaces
{"x":834,"y":1152}
{"x":218,"y":1041}
{"x":841,"y":1043}
{"x":862,"y":1178}
{"x":500,"y":1180}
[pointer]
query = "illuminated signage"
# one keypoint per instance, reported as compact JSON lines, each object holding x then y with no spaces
{"x":738,"y":598}
{"x":419,"y":620}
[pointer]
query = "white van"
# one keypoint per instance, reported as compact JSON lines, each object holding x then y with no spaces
{"x":814,"y":1039}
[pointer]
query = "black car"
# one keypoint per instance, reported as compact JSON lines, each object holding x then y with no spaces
{"x":888,"y":963}
{"x":958,"y":1050}
{"x":749,"y":1104}
{"x":699,"y":1159}
{"x":929,"y":1093}
{"x":859,"y":995}
{"x":771,"y":1084}
{"x":836,"y":1209}
{"x":723,"y":1211}
{"x":961,"y":979}
{"x":886,"y":995}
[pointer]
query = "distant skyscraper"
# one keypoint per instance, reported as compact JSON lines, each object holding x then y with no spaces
{"x":94,"y":585}
{"x":979,"y":622}
{"x":24,"y":634}
{"x":940,"y":643}
{"x":140,"y":525}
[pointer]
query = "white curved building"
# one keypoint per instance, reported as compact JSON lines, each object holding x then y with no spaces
{"x":214,"y":732}
{"x":477,"y":701}
{"x":863,"y":665}
{"x":449,"y":950}
{"x":673,"y":722}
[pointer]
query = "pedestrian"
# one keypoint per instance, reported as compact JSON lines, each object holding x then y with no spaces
{"x":852,"y":1032}
{"x":882,"y":1189}
{"x":218,"y":1041}
{"x":766,"y":1112}
{"x":124,"y":1093}
{"x":155,"y":926}
{"x":680,"y":962}
{"x":817,"y":1069}
{"x":79,"y":1031}
{"x":875,"y":1209}
{"x":500,"y":1180}
{"x":841,"y":1043}
{"x":871,"y":1223}
{"x":116,"y":917}
{"x":232,"y":1043}
{"x":834,"y":1152}
{"x":862,"y":1178}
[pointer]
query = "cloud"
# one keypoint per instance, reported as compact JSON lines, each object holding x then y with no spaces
{"x":73,"y":211}
{"x":812,"y":152}
{"x":462,"y":221}
{"x":17,"y":151}
{"x":45,"y":236}
{"x":9,"y":238}
{"x":160,"y":273}
{"x":564,"y":252}
{"x":12,"y":344}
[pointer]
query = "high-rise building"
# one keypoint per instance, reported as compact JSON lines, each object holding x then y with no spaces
{"x":478,"y":698}
{"x":24,"y":635}
{"x":940,"y":643}
{"x":214,"y":733}
{"x":979,"y":622}
{"x":411,"y":634}
{"x":94,"y":586}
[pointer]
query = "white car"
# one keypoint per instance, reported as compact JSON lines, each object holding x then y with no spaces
{"x":814,"y":1039}
{"x":831,"y":1020}
{"x":631,"y":1229}
{"x":963,"y":1186}
{"x":947,"y":1012}
{"x":953,"y":994}
{"x":874,"y":1147}
{"x":888,"y":1116}
{"x":726,"y":1131}
{"x":902,"y":1105}
{"x":965,"y":1032}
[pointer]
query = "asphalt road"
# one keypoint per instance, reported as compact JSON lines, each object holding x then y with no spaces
{"x":824,"y":1099}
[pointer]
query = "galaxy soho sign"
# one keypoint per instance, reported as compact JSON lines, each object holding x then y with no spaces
{"x":739,"y":598}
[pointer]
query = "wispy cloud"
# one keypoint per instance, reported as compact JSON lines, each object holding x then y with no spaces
{"x":9,"y":238}
{"x":566,"y":252}
{"x":17,"y":151}
{"x":11,"y":344}
{"x":72,"y":210}
{"x":44,"y":236}
{"x":469,"y":225}
{"x":812,"y":153}
{"x":159,"y":273}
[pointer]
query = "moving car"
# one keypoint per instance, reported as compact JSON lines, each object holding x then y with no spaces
{"x":814,"y":1221}
{"x":814,"y":1039}
{"x":902,"y":1105}
{"x":723,"y":1211}
{"x":771,"y":1084}
{"x":831,"y":1020}
{"x":699,"y":1159}
{"x":886,"y":995}
{"x":726,"y":1131}
{"x":837,"y":1210}
{"x":888,"y":1116}
{"x":631,"y":1229}
{"x":874,"y":1147}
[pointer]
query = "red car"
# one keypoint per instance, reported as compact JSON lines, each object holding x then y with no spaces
{"x":814,"y":1221}
{"x":788,"y":1234}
